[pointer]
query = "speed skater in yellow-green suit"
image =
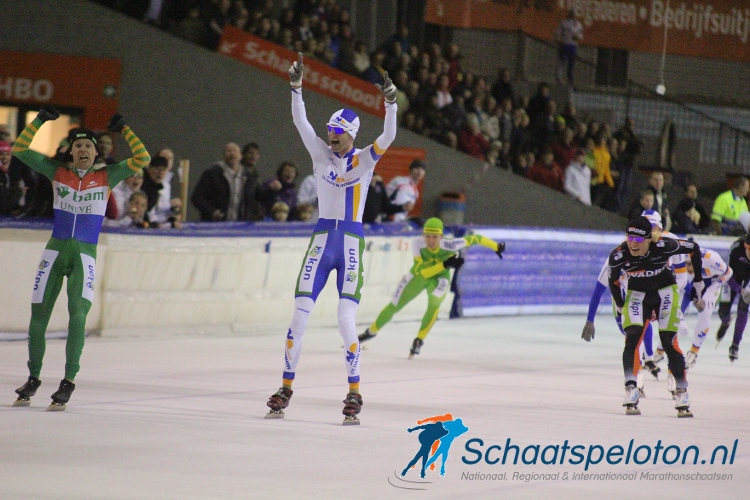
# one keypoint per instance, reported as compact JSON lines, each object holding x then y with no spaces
{"x":433,"y":256}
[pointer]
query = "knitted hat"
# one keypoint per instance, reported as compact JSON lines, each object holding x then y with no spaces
{"x":640,"y":226}
{"x":433,"y":226}
{"x":81,"y":133}
{"x":347,"y":120}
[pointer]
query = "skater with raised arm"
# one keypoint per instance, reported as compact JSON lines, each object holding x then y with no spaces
{"x":651,"y":289}
{"x":433,"y":256}
{"x":81,"y":190}
{"x":342,"y":174}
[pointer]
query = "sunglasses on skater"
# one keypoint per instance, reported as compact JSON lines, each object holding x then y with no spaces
{"x":336,"y":130}
{"x":636,"y":239}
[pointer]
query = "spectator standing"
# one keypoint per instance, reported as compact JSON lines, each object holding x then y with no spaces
{"x":470,"y":139}
{"x":124,"y":190}
{"x":162,"y":207}
{"x":578,"y":178}
{"x":661,"y":205}
{"x":728,"y":206}
{"x":630,"y":147}
{"x":218,"y":196}
{"x":603,"y":184}
{"x":564,"y":149}
{"x":567,"y":36}
{"x":280,"y":188}
{"x":405,"y":189}
{"x":645,"y":202}
{"x":378,"y":205}
{"x":13,"y":186}
{"x":252,"y":209}
{"x":502,"y":89}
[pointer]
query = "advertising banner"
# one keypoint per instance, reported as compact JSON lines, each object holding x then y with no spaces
{"x":718,"y":29}
{"x":88,"y":83}
{"x":319,"y":77}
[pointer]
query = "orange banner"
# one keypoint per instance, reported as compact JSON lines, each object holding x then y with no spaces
{"x":718,"y":29}
{"x":87,"y":83}
{"x":395,"y":162}
{"x":276,"y":60}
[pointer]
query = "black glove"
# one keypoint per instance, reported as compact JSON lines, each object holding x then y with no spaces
{"x":453,"y":261}
{"x":500,"y":249}
{"x":48,"y":113}
{"x":116,"y":124}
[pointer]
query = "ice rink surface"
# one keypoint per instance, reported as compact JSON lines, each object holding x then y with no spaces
{"x":183,"y":417}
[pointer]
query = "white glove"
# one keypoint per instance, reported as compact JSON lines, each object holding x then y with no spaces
{"x":698,"y":286}
{"x":387,"y":89}
{"x":295,"y":72}
{"x":745,"y":293}
{"x":700,"y":305}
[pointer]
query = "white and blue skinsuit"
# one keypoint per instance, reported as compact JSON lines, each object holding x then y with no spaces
{"x":338,"y":239}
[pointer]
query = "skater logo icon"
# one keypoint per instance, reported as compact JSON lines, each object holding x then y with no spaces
{"x":351,"y":276}
{"x":63,"y":191}
{"x":436,"y":435}
{"x":44,"y":264}
{"x":315,"y":251}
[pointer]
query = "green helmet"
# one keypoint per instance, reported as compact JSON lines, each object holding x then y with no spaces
{"x":433,"y":226}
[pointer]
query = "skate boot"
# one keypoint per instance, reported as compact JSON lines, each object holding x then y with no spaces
{"x":26,"y":391}
{"x":631,"y":400}
{"x":734,"y":350}
{"x":690,"y":358}
{"x":682,"y":403}
{"x":416,"y":346}
{"x":352,"y":407}
{"x":671,"y":384}
{"x":640,"y":385}
{"x":62,"y":396}
{"x":278,"y":402}
{"x":652,"y":368}
{"x":721,"y":332}
{"x":366,"y":336}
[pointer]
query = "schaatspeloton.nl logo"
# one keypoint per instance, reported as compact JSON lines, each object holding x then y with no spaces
{"x":435,"y":437}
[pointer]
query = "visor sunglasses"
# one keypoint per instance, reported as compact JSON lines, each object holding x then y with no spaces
{"x":336,"y":130}
{"x":636,"y":239}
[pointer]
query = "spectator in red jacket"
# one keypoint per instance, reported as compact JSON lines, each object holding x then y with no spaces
{"x":547,"y":172}
{"x":472,"y":141}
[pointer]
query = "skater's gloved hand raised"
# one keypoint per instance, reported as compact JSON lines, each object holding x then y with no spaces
{"x":698,"y":286}
{"x":116,"y":123}
{"x":295,"y":72}
{"x":388,"y":89}
{"x":48,"y":113}
{"x":588,"y":331}
{"x":745,"y":294}
{"x":500,"y":249}
{"x":453,"y":261}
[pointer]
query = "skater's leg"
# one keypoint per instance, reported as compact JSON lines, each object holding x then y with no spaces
{"x":47,"y":286}
{"x":648,"y":340}
{"x":303,"y":306}
{"x":710,"y":296}
{"x":436,"y":293}
{"x":408,"y":288}
{"x":81,"y":285}
{"x":633,"y":315}
{"x":668,"y":324}
{"x":740,"y":322}
{"x":347,"y":310}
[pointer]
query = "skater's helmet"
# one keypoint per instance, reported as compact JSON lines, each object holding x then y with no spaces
{"x":433,"y":226}
{"x":640,"y":226}
{"x":653,"y":217}
{"x":344,"y":120}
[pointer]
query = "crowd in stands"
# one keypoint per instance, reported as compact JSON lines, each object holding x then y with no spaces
{"x":437,"y":98}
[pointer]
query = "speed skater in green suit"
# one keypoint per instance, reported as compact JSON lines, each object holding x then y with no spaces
{"x":434,"y":255}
